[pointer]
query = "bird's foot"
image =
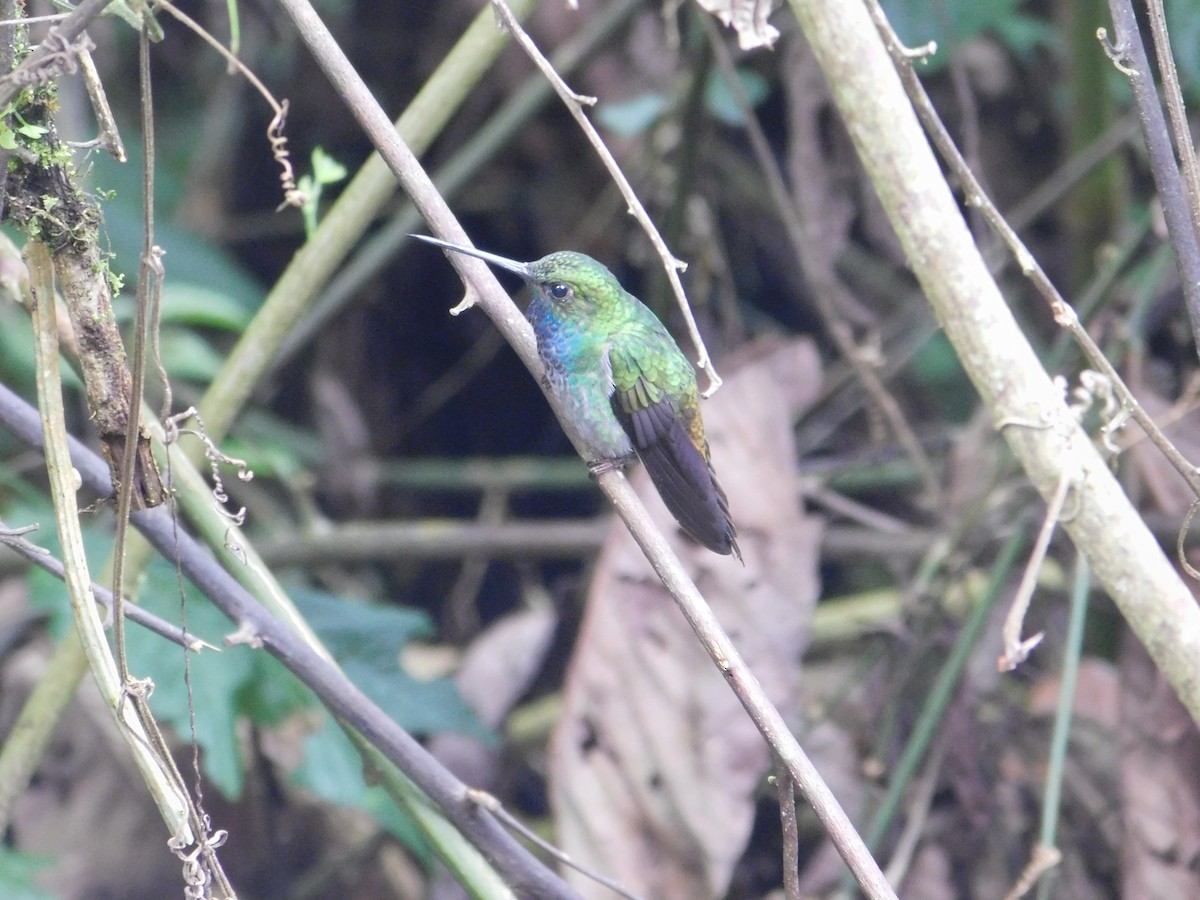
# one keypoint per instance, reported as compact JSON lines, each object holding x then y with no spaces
{"x":598,"y":467}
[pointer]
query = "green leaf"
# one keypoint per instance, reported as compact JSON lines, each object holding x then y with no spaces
{"x":190,"y":303}
{"x":226,"y":684}
{"x":16,"y":351}
{"x":18,"y":874}
{"x":332,"y":770}
{"x":8,"y":139}
{"x":1183,"y":24}
{"x":326,"y":169}
{"x":629,"y":118}
{"x":366,"y":640}
{"x":188,"y":356}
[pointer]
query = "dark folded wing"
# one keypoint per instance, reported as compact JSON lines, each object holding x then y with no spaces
{"x":679,"y":469}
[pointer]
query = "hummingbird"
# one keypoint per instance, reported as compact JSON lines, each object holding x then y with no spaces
{"x":624,"y":383}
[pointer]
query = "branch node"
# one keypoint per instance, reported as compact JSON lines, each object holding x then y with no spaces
{"x":247,"y":633}
{"x":920,"y":53}
{"x":1117,"y":53}
{"x":470,"y":299}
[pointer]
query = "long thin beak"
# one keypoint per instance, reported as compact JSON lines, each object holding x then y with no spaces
{"x":518,"y":268}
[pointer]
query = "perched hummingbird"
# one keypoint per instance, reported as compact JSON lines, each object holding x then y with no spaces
{"x":625,"y":384}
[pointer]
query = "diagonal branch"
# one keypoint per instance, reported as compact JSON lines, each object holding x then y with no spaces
{"x":484,"y":289}
{"x":522,"y":871}
{"x":996,"y":355}
{"x":1129,"y":55}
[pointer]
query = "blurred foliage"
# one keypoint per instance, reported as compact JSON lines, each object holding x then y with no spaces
{"x":407,"y":381}
{"x":18,"y":875}
{"x":1183,"y":24}
{"x":237,"y":682}
{"x":325,"y":171}
{"x":953,"y":23}
{"x":631,"y":117}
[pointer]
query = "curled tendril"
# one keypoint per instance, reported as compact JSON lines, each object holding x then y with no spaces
{"x":216,"y":459}
{"x":292,"y":195}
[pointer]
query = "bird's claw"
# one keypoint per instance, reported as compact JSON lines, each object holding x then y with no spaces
{"x":598,"y":467}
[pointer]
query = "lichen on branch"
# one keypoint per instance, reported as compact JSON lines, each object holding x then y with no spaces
{"x":42,"y":197}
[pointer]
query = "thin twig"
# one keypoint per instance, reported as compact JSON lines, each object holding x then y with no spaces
{"x":574,"y":103}
{"x":1057,"y":763}
{"x":778,"y":736}
{"x":63,"y":34}
{"x":126,"y":484}
{"x":1016,"y":651}
{"x":1041,"y":860}
{"x":918,"y":815}
{"x":786,"y":789}
{"x":1129,"y":56}
{"x":818,"y":491}
{"x":18,"y":23}
{"x":500,"y":308}
{"x":495,"y":807}
{"x":109,"y":136}
{"x":820,"y":274}
{"x":14,"y":539}
{"x":371,"y":541}
{"x":292,"y":196}
{"x":342,"y":697}
{"x":202,"y":867}
{"x":1184,"y":151}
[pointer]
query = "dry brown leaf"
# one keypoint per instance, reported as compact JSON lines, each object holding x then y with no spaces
{"x":1160,"y":783}
{"x":1168,"y":488}
{"x":748,"y":18}
{"x":831,"y":190}
{"x":496,"y":670}
{"x":931,"y":876}
{"x":1097,"y":694}
{"x":655,"y":764}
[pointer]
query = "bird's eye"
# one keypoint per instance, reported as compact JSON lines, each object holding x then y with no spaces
{"x":559,"y":290}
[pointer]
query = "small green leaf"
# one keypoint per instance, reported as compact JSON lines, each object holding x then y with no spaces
{"x":332,"y":770}
{"x":326,"y":169}
{"x":366,"y":639}
{"x":8,"y":139}
{"x":32,"y":131}
{"x":719,"y":99}
{"x":223,"y":682}
{"x":18,"y":874}
{"x":629,"y":118}
{"x":188,"y":356}
{"x":189,"y":303}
